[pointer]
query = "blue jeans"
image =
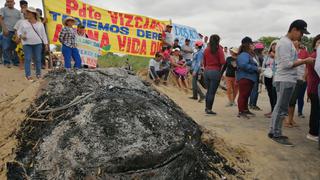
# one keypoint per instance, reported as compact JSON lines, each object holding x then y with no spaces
{"x":301,"y":98}
{"x":8,"y":47}
{"x":212,"y":79}
{"x":35,"y":52}
{"x":254,"y":94}
{"x":69,"y":52}
{"x":284,"y":93}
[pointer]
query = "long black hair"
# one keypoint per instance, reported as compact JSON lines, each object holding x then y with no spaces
{"x":214,"y":43}
{"x":315,"y":41}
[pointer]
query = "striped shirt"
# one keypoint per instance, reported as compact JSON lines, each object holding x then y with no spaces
{"x":67,"y":37}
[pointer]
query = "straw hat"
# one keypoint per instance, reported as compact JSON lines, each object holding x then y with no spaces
{"x":68,"y":19}
{"x":234,"y":50}
{"x":33,"y":10}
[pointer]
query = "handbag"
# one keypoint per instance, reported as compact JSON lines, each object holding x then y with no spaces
{"x":43,"y":45}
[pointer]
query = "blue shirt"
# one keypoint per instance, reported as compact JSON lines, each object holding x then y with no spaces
{"x":197,"y":59}
{"x":247,"y":68}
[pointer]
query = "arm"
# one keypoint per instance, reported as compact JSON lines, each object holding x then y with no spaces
{"x":43,"y":34}
{"x":198,"y":62}
{"x":222,"y":59}
{"x":153,"y":72}
{"x":61,"y":35}
{"x":243,"y":63}
{"x":4,"y":27}
{"x":224,"y":67}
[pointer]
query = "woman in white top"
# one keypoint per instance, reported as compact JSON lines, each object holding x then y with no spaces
{"x":33,"y":35}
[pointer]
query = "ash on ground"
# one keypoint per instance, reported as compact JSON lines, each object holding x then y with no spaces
{"x":108,"y":124}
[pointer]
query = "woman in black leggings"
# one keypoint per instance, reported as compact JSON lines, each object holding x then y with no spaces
{"x":269,"y":69}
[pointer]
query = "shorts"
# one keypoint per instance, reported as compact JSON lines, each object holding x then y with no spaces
{"x":296,"y":92}
{"x":180,"y":76}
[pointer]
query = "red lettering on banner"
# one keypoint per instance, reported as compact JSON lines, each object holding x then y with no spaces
{"x":114,"y":17}
{"x":153,"y":24}
{"x":138,"y":20}
{"x":128,"y":44}
{"x":135,"y":46}
{"x":90,"y":9}
{"x":155,"y":47}
{"x":104,"y":40}
{"x":71,"y":5}
{"x":121,"y":19}
{"x":93,"y":35}
{"x":146,"y":24}
{"x":129,"y":19}
{"x":56,"y":33}
{"x":97,"y":16}
{"x":143,"y":49}
{"x":122,"y":42}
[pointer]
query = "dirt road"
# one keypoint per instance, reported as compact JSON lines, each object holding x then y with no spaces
{"x":269,"y":160}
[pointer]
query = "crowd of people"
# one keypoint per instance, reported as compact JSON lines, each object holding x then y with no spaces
{"x":286,"y":69}
{"x":24,"y":39}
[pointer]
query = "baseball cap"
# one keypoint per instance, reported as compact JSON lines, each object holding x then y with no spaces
{"x":175,"y":49}
{"x":300,"y":25}
{"x":23,"y":2}
{"x":169,"y":26}
{"x":81,"y":26}
{"x":246,"y":40}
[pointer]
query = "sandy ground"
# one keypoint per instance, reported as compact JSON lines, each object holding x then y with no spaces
{"x":268,"y":159}
{"x":16,"y":94}
{"x":237,"y":137}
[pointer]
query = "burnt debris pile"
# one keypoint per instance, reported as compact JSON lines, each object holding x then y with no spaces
{"x":108,"y":124}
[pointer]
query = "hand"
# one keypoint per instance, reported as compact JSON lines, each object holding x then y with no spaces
{"x":259,"y":70}
{"x":46,"y":48}
{"x":309,"y":60}
{"x":5,"y":32}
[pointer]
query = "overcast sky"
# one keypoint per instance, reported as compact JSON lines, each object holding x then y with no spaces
{"x":231,"y":19}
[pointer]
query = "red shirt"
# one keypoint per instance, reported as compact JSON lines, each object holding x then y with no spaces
{"x":213,"y":61}
{"x":313,"y":79}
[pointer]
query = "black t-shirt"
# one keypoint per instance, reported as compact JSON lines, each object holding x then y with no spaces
{"x":176,"y":46}
{"x":231,"y":70}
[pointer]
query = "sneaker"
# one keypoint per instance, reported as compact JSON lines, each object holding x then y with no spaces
{"x":249,"y":113}
{"x":201,"y":99}
{"x":282,"y":141}
{"x":270,"y":135}
{"x":243,"y":115}
{"x":301,"y":116}
{"x":210,"y":112}
{"x":313,"y":138}
{"x":8,"y":66}
{"x":256,"y":108}
{"x":193,"y":98}
{"x":229,"y":105}
{"x":29,"y":79}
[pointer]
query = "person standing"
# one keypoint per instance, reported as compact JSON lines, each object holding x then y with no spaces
{"x":301,"y":95}
{"x":299,"y":85}
{"x":67,"y":38}
{"x":286,"y":78}
{"x":231,"y":67}
{"x":247,"y":70}
{"x":196,"y":70}
{"x":9,"y":16}
{"x":81,"y":31}
{"x":187,"y":51}
{"x":33,"y":35}
{"x":313,"y":81}
{"x":213,"y":62}
{"x":259,"y":47}
{"x":167,"y":37}
{"x":268,"y":67}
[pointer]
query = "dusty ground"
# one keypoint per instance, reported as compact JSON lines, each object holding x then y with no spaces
{"x":268,"y":159}
{"x":16,"y":94}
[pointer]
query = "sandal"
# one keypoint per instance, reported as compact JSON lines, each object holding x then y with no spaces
{"x":288,"y":125}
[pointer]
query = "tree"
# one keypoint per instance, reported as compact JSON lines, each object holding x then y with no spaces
{"x":267,"y":40}
{"x":307,"y":42}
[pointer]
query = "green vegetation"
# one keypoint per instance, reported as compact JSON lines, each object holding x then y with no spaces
{"x":112,"y":60}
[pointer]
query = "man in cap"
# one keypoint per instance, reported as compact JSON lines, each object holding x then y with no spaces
{"x":81,"y":31}
{"x":285,"y":78}
{"x":9,"y":16}
{"x":167,"y":37}
{"x":176,"y":44}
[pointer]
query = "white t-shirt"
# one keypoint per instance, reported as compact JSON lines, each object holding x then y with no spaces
{"x":154,"y":64}
{"x":32,"y":38}
{"x":187,"y":55}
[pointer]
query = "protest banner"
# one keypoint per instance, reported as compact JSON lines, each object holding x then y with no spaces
{"x":183,"y":32}
{"x":89,"y":51}
{"x":117,"y":32}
